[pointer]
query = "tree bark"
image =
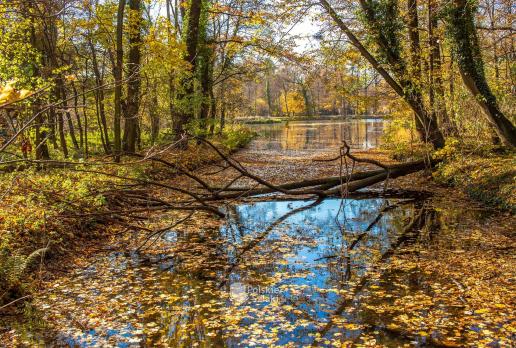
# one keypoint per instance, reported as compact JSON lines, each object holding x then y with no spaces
{"x":118,"y":78}
{"x":186,"y":112}
{"x":222,"y":115}
{"x":42,"y":152}
{"x":207,"y":87}
{"x":213,"y":111}
{"x":133,"y":82}
{"x":153,"y":113}
{"x":85,"y":115}
{"x":62,"y":138}
{"x":437,"y":99}
{"x":66,"y":112}
{"x":171,"y":87}
{"x":268,"y":93}
{"x":415,"y":54}
{"x":99,"y":98}
{"x":471,"y":67}
{"x":77,"y":116}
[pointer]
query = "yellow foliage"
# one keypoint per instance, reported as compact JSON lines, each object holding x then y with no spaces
{"x":260,"y":102}
{"x":9,"y":94}
{"x":293,"y":102}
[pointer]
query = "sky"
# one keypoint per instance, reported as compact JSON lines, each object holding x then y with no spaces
{"x":306,"y":29}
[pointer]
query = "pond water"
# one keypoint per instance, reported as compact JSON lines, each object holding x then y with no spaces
{"x":276,"y":273}
{"x":319,"y":134}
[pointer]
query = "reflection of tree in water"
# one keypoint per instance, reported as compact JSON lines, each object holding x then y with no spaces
{"x":420,"y":223}
{"x":374,"y":230}
{"x":297,"y":246}
{"x":317,"y":238}
{"x":302,"y":135}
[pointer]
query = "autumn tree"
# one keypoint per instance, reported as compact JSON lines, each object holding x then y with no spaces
{"x":186,"y":96}
{"x":117,"y":73}
{"x":463,"y":34}
{"x":132,"y":104}
{"x":384,"y":29}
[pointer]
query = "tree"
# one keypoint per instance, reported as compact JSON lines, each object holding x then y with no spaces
{"x":133,"y":81}
{"x":463,"y":34}
{"x":385,"y":35}
{"x":436,"y":88}
{"x":118,"y":77}
{"x":186,"y":96}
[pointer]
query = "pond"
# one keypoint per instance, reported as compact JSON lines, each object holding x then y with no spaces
{"x":319,"y":134}
{"x":278,"y":272}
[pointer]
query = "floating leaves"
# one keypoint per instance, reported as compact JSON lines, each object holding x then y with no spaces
{"x":179,"y":292}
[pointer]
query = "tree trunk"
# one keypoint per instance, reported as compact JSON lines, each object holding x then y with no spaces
{"x":285,"y":99}
{"x":222,"y":116}
{"x":118,"y":78}
{"x":171,"y":87}
{"x":437,"y":99}
{"x":206,"y":86}
{"x":306,"y":98}
{"x":62,"y":138}
{"x":154,"y":115}
{"x":471,"y":67}
{"x":133,"y":83}
{"x":42,"y":152}
{"x":77,"y":116}
{"x":213,"y":111}
{"x":270,"y":107}
{"x":58,"y":115}
{"x":66,"y":112}
{"x":51,"y":122}
{"x":85,"y":115}
{"x":415,"y":56}
{"x":99,"y":98}
{"x":186,"y":113}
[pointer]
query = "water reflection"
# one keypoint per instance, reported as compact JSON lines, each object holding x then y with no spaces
{"x":319,"y":134}
{"x":296,"y":261}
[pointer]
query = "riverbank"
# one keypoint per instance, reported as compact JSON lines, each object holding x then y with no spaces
{"x":449,"y":286}
{"x":490,"y":179}
{"x":269,"y":120}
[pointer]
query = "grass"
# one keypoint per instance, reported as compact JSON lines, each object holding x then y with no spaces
{"x":268,"y":120}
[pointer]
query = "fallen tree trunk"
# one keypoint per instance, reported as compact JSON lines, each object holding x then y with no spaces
{"x":331,"y":185}
{"x":321,"y":183}
{"x":392,"y":173}
{"x":320,"y":187}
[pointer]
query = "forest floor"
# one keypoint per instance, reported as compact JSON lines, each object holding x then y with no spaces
{"x":48,"y":214}
{"x":453,"y":287}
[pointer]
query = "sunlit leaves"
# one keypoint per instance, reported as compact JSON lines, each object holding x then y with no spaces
{"x":9,"y":94}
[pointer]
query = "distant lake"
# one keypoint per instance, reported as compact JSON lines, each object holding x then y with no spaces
{"x":319,"y":134}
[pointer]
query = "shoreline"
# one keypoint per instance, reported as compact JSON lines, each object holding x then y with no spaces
{"x":269,"y":120}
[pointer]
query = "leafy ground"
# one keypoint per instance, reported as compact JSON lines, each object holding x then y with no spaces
{"x":44,"y":213}
{"x":487,"y":177}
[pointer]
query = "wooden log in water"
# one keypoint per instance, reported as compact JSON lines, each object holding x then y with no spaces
{"x":330,"y":185}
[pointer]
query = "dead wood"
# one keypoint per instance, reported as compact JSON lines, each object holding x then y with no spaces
{"x":199,"y":193}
